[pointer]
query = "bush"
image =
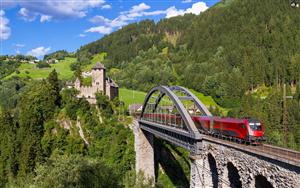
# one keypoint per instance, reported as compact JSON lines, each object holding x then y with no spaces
{"x":74,"y":171}
{"x":42,"y":64}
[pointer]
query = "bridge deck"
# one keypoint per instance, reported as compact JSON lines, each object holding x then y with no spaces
{"x":280,"y":154}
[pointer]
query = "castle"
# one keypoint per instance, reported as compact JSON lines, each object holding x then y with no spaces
{"x":100,"y":83}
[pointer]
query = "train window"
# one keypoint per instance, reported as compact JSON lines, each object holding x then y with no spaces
{"x":243,"y":126}
{"x":255,"y":126}
{"x":258,"y":126}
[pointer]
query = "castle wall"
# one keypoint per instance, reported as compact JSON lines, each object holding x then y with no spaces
{"x":111,"y":92}
{"x":108,"y":90}
{"x":98,"y":79}
{"x":99,"y":84}
{"x":114,"y":92}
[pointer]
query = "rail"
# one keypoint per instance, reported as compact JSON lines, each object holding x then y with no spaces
{"x":277,"y":153}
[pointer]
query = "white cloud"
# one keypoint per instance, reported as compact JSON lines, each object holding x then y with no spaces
{"x":18,"y":47}
{"x":45,"y":18}
{"x":153,"y":13}
{"x":55,"y":9}
{"x":196,"y":8}
{"x":82,"y":35}
{"x":5,"y":30}
{"x":39,"y":51}
{"x":99,"y":19}
{"x":106,"y":7}
{"x":186,"y":1}
{"x":99,"y":29}
{"x":26,"y":15}
{"x":172,"y":11}
{"x":135,"y":12}
{"x":106,"y":25}
{"x":139,"y":8}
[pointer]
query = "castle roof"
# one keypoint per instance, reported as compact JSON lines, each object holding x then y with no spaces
{"x":110,"y":82}
{"x":98,"y":66}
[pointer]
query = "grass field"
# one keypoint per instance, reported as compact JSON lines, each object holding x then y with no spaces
{"x":96,"y":58}
{"x":132,"y":97}
{"x":62,"y":68}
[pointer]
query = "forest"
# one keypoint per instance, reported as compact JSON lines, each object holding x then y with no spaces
{"x":41,"y":147}
{"x":240,"y":52}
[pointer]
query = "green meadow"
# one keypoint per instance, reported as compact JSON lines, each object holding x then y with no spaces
{"x":96,"y":58}
{"x":62,"y":68}
{"x":132,"y":97}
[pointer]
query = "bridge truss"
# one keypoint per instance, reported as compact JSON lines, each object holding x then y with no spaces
{"x":167,"y":113}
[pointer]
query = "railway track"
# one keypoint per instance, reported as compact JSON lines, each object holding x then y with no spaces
{"x":288,"y":154}
{"x":274,"y":152}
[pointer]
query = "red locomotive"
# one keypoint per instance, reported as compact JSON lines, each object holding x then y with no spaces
{"x":241,"y":130}
{"x":247,"y":130}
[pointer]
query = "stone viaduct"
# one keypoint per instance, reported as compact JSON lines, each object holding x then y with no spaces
{"x":221,"y":163}
{"x":222,"y":166}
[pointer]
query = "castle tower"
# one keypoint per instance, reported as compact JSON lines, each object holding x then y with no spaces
{"x":77,"y":84}
{"x":98,"y":77}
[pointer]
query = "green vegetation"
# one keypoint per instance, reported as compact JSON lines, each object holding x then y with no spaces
{"x":131,"y":96}
{"x":62,"y":68}
{"x":7,"y":67}
{"x":175,"y":164}
{"x":39,"y":135}
{"x":234,"y":51}
{"x":96,"y":58}
{"x":137,"y":97}
{"x":236,"y":57}
{"x":58,"y":55}
{"x":86,"y":81}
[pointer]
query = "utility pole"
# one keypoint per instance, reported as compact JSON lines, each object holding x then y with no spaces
{"x":285,"y":116}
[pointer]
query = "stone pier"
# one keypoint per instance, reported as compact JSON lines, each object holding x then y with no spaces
{"x":144,"y":150}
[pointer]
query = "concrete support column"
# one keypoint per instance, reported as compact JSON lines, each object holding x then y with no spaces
{"x":144,"y":153}
{"x":197,"y":180}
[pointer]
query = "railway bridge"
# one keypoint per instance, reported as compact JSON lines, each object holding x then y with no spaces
{"x":214,"y":162}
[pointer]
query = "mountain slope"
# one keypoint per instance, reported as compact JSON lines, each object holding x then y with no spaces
{"x":228,"y":52}
{"x":234,"y":46}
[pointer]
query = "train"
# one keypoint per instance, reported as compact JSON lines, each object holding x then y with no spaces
{"x":246,"y":130}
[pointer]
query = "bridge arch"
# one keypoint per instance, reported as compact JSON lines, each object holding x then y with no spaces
{"x":213,"y":171}
{"x":262,"y":182}
{"x":171,"y":93}
{"x":231,"y":176}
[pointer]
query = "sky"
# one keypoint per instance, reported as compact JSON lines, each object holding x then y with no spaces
{"x":39,"y":27}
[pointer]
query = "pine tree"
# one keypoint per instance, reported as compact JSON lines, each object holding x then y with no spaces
{"x":55,"y":86}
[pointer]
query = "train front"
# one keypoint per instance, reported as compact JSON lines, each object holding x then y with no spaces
{"x":255,"y":130}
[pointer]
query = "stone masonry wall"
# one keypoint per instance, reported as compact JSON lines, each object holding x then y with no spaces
{"x":144,"y":150}
{"x":248,"y":167}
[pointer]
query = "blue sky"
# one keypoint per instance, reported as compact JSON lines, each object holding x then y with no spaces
{"x":38,"y":27}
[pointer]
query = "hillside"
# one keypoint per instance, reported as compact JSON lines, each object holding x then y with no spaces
{"x":227,"y":52}
{"x":137,"y":97}
{"x":239,"y":35}
{"x":62,"y":67}
{"x":235,"y":57}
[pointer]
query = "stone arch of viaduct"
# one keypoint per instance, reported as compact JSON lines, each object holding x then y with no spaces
{"x":219,"y":166}
{"x":212,"y":164}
